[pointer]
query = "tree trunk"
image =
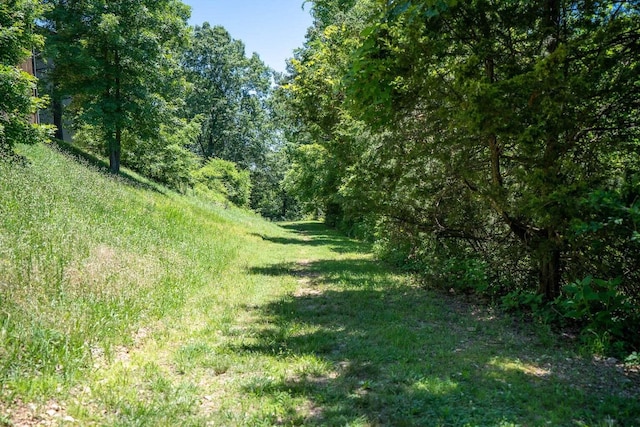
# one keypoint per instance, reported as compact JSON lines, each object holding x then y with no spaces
{"x":56,"y":106}
{"x":552,"y":12}
{"x":114,"y":151}
{"x":285,"y":206}
{"x":114,"y":161}
{"x":549,"y":272}
{"x":549,"y":252}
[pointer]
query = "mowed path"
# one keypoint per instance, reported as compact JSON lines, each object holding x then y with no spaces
{"x":304,"y":327}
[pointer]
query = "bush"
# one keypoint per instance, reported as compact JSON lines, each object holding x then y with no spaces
{"x":165,"y":157}
{"x":462,"y":274}
{"x":223,"y":176}
{"x":519,"y":300}
{"x":600,"y":307}
{"x":16,"y":105}
{"x":171,"y":165}
{"x":401,"y":247}
{"x":605,"y":238}
{"x":90,"y":138}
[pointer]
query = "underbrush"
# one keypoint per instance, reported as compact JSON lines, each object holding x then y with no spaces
{"x":86,"y":258}
{"x":606,"y":319}
{"x":603,"y":314}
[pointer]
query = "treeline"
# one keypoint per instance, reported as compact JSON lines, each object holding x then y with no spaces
{"x":134,"y":82}
{"x":491,"y":146}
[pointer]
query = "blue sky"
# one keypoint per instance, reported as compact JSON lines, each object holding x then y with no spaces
{"x":272,"y":28}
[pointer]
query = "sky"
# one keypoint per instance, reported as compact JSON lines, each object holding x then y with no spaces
{"x":271,"y":28}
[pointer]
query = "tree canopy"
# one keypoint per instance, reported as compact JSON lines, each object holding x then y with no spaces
{"x":117,"y":59}
{"x":229,"y":90}
{"x":17,"y":101}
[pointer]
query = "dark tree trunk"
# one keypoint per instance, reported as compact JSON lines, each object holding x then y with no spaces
{"x":552,"y":18}
{"x":549,"y":250}
{"x":114,"y":152}
{"x":550,"y":273}
{"x":285,"y":206}
{"x":116,"y":143}
{"x":56,"y":106}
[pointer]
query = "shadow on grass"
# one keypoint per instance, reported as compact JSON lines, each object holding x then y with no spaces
{"x":354,"y":273}
{"x":317,"y":234}
{"x":400,"y":355}
{"x":103,"y":165}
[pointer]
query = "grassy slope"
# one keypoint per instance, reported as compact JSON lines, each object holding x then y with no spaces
{"x":122,"y":304}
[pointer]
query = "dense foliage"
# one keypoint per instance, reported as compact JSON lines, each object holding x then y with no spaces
{"x":220,"y":176}
{"x":229,"y":90}
{"x":492,"y":145}
{"x":116,"y":59}
{"x":163,"y":98}
{"x":232,"y":94}
{"x":17,"y":103}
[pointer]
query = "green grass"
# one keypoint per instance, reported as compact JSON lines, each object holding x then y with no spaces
{"x":125,"y":304}
{"x":85,"y":259}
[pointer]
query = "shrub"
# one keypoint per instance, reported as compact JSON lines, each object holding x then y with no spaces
{"x":601,"y":308}
{"x":520,"y":300}
{"x":171,"y":165}
{"x":165,"y":157}
{"x":223,"y":176}
{"x":605,"y":238}
{"x":17,"y":100}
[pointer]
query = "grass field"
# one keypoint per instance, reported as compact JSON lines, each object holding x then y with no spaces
{"x":122,"y":303}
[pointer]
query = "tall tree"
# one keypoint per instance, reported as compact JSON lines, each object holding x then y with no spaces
{"x":17,"y":100}
{"x":321,"y":125}
{"x":524,"y":105}
{"x":117,"y":59}
{"x":230,"y":91}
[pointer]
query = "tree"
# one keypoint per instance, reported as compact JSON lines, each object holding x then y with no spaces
{"x":321,"y":125}
{"x":230,"y":91}
{"x":269,"y":195}
{"x":525,"y":116}
{"x":242,"y":115}
{"x":488,"y":128}
{"x":17,"y":100}
{"x":117,"y":59}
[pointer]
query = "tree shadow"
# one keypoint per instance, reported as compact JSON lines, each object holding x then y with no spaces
{"x":354,"y":273}
{"x":317,"y":234}
{"x":394,"y":354}
{"x":102,"y":165}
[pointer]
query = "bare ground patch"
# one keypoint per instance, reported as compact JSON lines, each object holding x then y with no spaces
{"x":306,"y":279}
{"x":21,"y":414}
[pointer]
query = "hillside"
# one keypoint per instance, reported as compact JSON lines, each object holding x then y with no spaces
{"x":122,"y":303}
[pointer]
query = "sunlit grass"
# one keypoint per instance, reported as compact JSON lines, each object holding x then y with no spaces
{"x":125,"y":304}
{"x":85,"y":259}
